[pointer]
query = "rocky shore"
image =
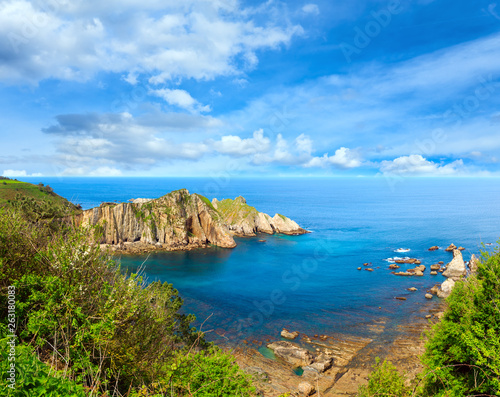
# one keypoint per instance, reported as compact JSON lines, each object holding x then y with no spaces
{"x":336,"y":365}
{"x":179,"y":221}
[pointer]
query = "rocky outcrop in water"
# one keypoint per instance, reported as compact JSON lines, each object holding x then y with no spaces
{"x":244,"y":220}
{"x":179,"y":220}
{"x":456,"y":268}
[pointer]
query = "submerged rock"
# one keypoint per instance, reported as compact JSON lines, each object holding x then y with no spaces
{"x":291,"y":353}
{"x":289,"y":335}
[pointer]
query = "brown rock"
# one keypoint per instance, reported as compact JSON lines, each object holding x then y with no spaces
{"x":473,"y":263}
{"x":359,"y":268}
{"x":289,"y":335}
{"x":435,"y":267}
{"x":434,"y":273}
{"x":434,"y":290}
{"x":291,"y":353}
{"x":369,"y":269}
{"x":428,"y":296}
{"x":461,"y":248}
{"x":401,"y":298}
{"x":306,"y":389}
{"x":441,"y":262}
{"x":394,"y":266}
{"x":413,"y":289}
{"x":451,"y":248}
{"x":434,"y":248}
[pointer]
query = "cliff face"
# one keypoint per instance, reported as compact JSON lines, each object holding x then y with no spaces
{"x":176,"y":220}
{"x":180,"y":220}
{"x":244,"y":220}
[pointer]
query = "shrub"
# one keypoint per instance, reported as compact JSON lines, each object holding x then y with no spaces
{"x":110,"y":332}
{"x":463,"y":353}
{"x":33,"y":377}
{"x":385,"y":381}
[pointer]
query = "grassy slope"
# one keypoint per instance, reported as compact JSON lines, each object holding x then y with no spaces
{"x":10,"y":188}
{"x":235,"y":210}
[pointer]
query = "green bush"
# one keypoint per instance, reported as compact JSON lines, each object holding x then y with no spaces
{"x":33,"y":378}
{"x":385,"y":381}
{"x":463,"y":353}
{"x":111,"y":332}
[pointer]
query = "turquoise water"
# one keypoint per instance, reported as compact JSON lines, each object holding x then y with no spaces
{"x":310,"y":283}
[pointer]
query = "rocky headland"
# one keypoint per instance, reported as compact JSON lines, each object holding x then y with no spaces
{"x":179,"y":221}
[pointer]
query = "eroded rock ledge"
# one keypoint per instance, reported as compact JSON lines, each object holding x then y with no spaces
{"x":178,"y":221}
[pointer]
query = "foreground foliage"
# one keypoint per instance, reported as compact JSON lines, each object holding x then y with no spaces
{"x":385,"y":381}
{"x":462,"y":356}
{"x":113,"y":334}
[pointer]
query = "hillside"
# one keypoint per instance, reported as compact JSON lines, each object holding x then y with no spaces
{"x":14,"y":192}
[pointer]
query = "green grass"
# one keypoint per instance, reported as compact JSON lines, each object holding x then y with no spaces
{"x":206,"y":201}
{"x":10,"y":188}
{"x":235,"y":210}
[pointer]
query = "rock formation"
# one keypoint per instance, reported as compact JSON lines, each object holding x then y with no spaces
{"x":289,"y":335}
{"x":456,"y":268}
{"x":473,"y":263}
{"x":180,"y":220}
{"x":244,"y":220}
{"x":445,"y":289}
{"x":451,"y":247}
{"x":291,"y":353}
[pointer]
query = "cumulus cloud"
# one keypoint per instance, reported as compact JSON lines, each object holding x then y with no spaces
{"x":180,"y":98}
{"x":16,"y":173}
{"x":236,"y":146}
{"x":114,"y":143}
{"x":416,"y":165}
{"x":343,"y":158}
{"x":311,"y":9}
{"x":196,"y":39}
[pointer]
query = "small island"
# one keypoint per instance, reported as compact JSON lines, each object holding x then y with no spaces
{"x":179,"y":221}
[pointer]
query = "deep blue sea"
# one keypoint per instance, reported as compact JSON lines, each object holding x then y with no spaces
{"x":310,"y":283}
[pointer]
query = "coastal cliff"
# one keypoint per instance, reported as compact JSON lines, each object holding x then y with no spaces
{"x":180,"y":220}
{"x":244,"y":220}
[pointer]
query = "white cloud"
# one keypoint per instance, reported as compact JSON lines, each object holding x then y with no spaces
{"x":416,"y":165}
{"x":180,"y":98}
{"x":196,"y":39}
{"x":16,"y":173}
{"x":311,"y":9}
{"x":343,"y":158}
{"x":236,"y":146}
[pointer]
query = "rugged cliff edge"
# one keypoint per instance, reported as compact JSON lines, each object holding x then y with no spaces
{"x":244,"y":220}
{"x":180,"y":220}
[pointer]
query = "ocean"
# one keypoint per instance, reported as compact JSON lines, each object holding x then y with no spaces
{"x":311,"y":283}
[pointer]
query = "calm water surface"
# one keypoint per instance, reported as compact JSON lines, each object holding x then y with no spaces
{"x":311,"y":283}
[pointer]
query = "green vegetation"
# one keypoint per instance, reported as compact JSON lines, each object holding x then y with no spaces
{"x":34,"y":377}
{"x":83,"y":324}
{"x":385,"y":381}
{"x":463,"y":352}
{"x":462,"y":356}
{"x":38,"y":202}
{"x":235,"y":210}
{"x":206,"y":201}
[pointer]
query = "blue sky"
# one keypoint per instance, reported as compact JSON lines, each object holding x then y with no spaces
{"x":202,"y":87}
